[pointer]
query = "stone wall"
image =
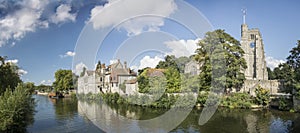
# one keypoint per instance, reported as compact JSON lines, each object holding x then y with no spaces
{"x":274,"y":86}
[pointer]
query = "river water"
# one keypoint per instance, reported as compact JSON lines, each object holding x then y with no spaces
{"x":67,"y":115}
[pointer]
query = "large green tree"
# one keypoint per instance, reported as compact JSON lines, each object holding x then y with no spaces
{"x":218,"y":45}
{"x":63,"y":80}
{"x":293,"y":60}
{"x":9,"y":77}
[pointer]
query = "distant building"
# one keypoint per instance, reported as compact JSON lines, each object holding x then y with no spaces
{"x":192,"y":68}
{"x":108,"y":79}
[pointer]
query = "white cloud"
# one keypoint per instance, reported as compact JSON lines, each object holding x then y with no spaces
{"x":182,"y":47}
{"x":22,"y":72}
{"x":147,"y":61}
{"x":79,"y":68}
{"x":68,"y":54}
{"x":46,"y":82}
{"x":130,"y":8}
{"x":272,"y":62}
{"x":14,"y":61}
{"x":14,"y":26}
{"x":63,"y":14}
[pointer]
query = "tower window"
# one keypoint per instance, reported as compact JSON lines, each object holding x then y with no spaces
{"x":252,"y":36}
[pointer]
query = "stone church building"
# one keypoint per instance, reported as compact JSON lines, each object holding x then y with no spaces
{"x":256,"y":73}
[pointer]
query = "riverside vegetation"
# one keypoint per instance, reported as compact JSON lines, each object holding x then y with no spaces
{"x":174,"y":82}
{"x":16,"y":103}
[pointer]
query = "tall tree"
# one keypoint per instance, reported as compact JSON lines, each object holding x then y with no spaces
{"x":209,"y":50}
{"x":170,"y":61}
{"x":271,"y":74}
{"x":63,"y":80}
{"x":293,"y":60}
{"x":9,"y":77}
{"x":285,"y":73}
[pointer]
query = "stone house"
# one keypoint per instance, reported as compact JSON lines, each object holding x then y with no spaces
{"x":192,"y":68}
{"x":108,"y":79}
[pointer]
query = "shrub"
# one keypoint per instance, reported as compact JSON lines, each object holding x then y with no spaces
{"x":202,"y":97}
{"x":262,"y":96}
{"x":237,"y":100}
{"x":16,"y":110}
{"x":284,"y":104}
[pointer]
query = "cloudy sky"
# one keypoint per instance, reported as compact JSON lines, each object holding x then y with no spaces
{"x":41,"y":35}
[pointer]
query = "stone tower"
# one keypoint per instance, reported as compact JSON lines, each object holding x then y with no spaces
{"x":252,"y":44}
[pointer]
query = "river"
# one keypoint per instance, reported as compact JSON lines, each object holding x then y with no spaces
{"x":67,"y":115}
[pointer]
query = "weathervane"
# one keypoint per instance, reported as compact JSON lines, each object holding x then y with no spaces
{"x":244,"y":15}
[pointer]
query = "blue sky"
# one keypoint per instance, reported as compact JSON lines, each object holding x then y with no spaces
{"x":46,"y":40}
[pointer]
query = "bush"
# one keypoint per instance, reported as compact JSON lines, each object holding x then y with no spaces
{"x":16,"y":110}
{"x":284,"y":104}
{"x":237,"y":100}
{"x":262,"y":96}
{"x":202,"y":97}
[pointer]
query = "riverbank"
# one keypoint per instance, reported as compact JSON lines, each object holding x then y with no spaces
{"x":71,"y":94}
{"x":230,"y":101}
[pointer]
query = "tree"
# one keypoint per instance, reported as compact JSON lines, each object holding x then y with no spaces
{"x":30,"y":86}
{"x":9,"y":77}
{"x":271,"y":74}
{"x":215,"y":45}
{"x":170,"y":61}
{"x":173,"y":79}
{"x":63,"y":80}
{"x":17,"y":109}
{"x":285,"y":73}
{"x":293,"y":60}
{"x":44,"y":88}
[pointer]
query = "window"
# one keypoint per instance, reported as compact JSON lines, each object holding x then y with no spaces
{"x":252,"y":36}
{"x":112,"y":84}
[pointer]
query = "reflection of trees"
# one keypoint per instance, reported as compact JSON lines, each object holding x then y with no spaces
{"x":224,"y":120}
{"x":136,"y":112}
{"x":65,"y":108}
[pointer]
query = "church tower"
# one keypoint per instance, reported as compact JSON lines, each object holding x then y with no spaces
{"x":252,"y":44}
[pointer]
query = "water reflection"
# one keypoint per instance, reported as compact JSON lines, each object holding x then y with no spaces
{"x":59,"y":115}
{"x":224,"y":120}
{"x":67,"y":115}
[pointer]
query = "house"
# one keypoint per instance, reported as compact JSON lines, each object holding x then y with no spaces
{"x":192,"y":68}
{"x":108,"y":79}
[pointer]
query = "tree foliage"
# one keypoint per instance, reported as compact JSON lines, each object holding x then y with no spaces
{"x":17,"y":109}
{"x":9,"y":77}
{"x":293,"y":60}
{"x":289,"y":72}
{"x":63,"y":80}
{"x":218,"y":45}
{"x":262,"y":96}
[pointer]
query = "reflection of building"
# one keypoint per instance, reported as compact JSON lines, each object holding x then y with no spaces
{"x":108,"y":79}
{"x":192,"y":68}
